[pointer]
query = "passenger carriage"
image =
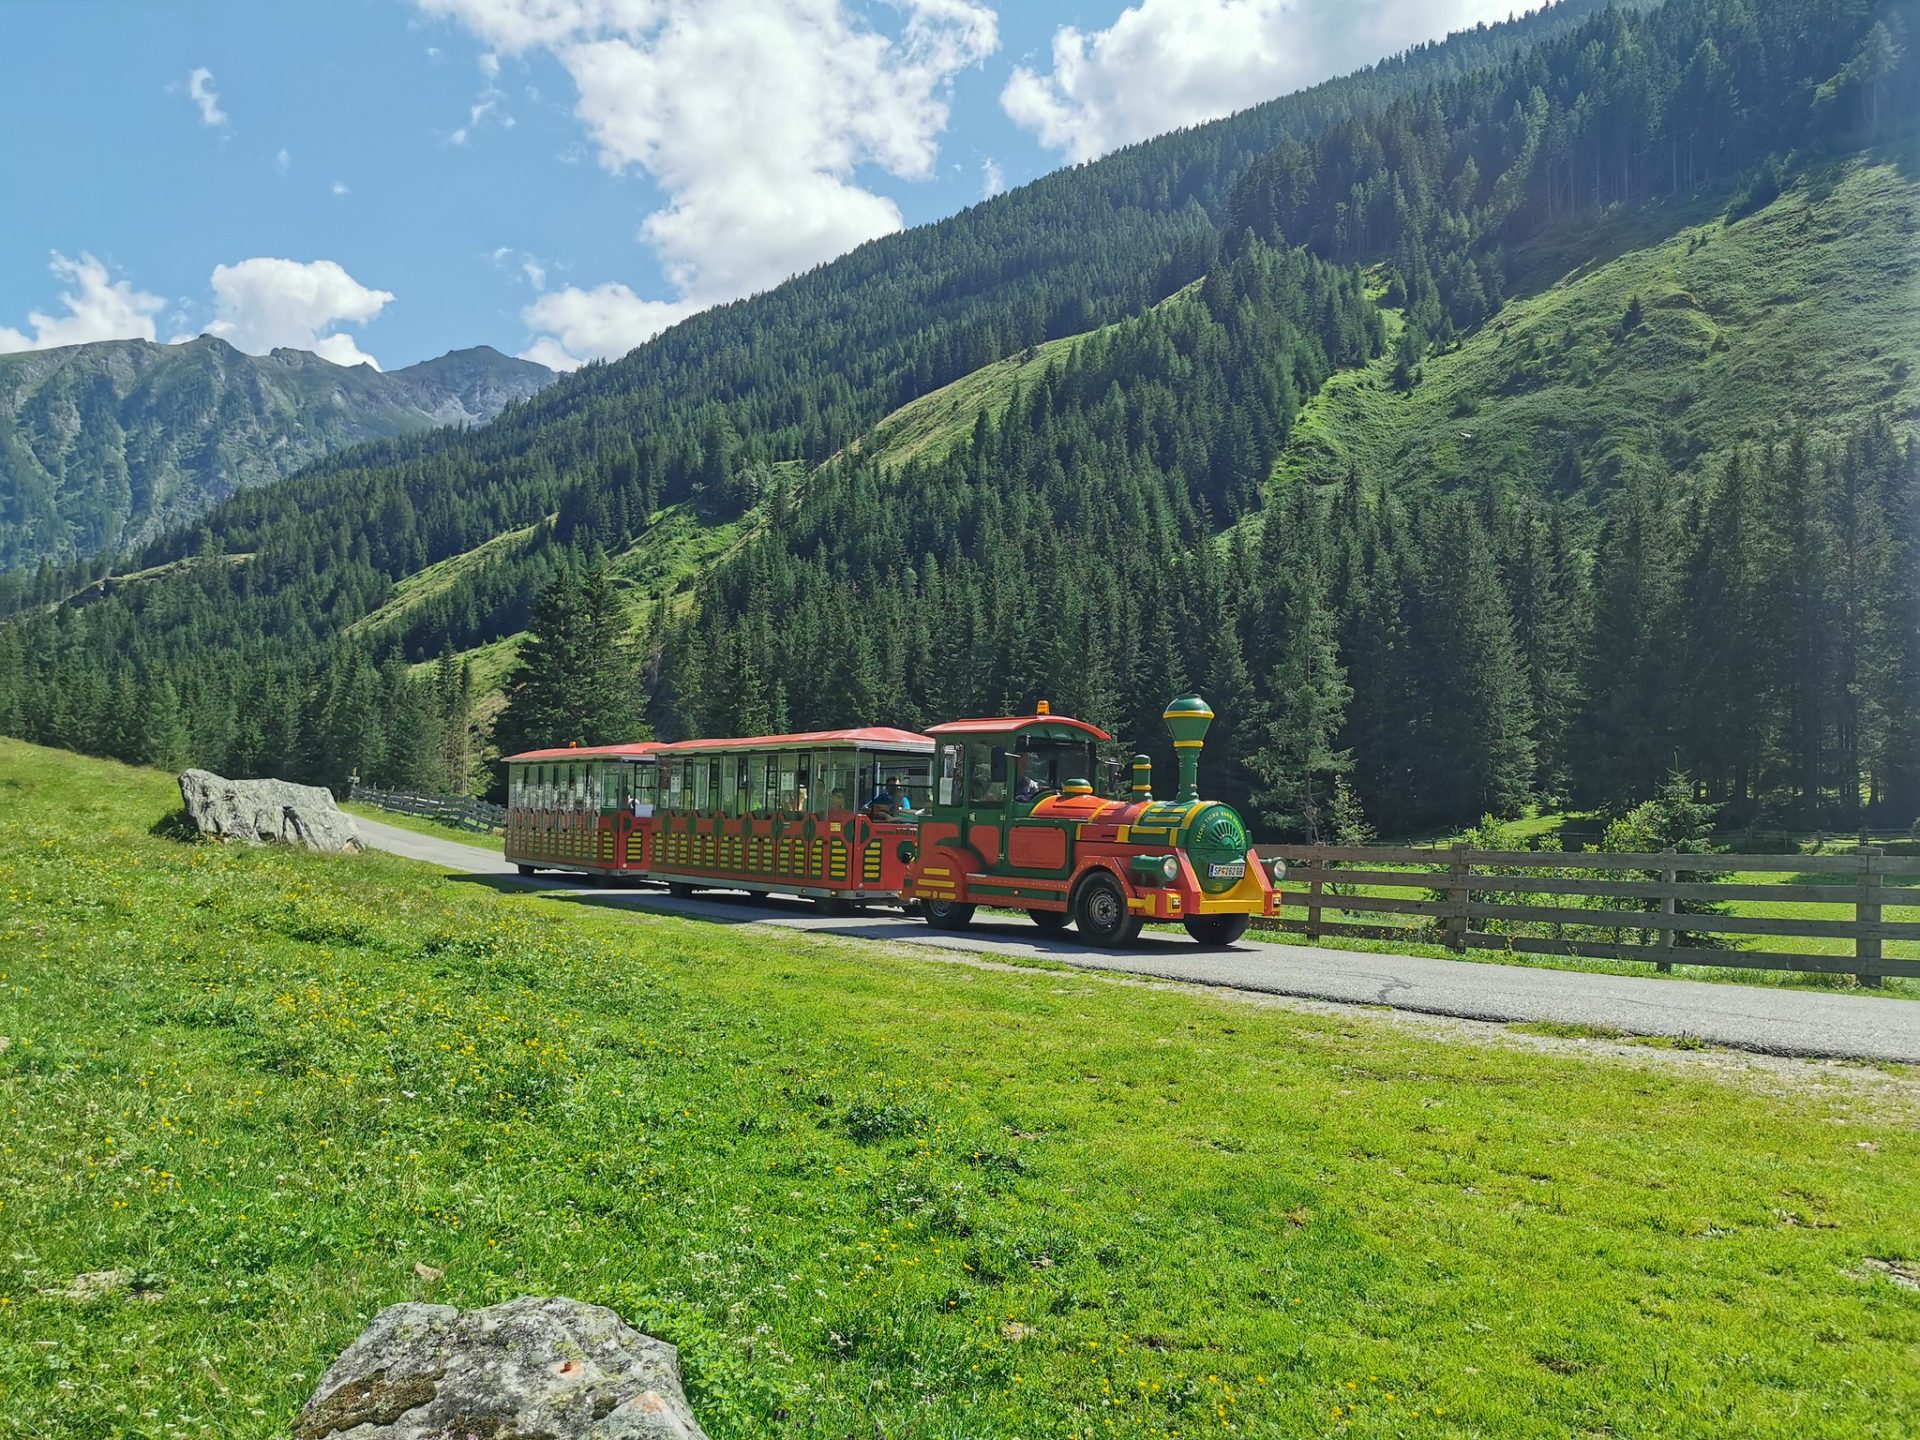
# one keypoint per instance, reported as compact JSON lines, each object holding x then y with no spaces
{"x":589,"y":811}
{"x":790,"y":814}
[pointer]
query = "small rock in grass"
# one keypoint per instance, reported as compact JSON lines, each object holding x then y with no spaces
{"x":93,"y":1285}
{"x":1899,"y":1272}
{"x":533,"y":1366}
{"x":1013,"y":1330}
{"x":426,"y":1272}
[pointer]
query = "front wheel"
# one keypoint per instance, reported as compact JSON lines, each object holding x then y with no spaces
{"x":1217,"y":930}
{"x":948,"y":914}
{"x":1100,"y":911}
{"x":1051,"y":919}
{"x":679,"y":890}
{"x":524,"y":869}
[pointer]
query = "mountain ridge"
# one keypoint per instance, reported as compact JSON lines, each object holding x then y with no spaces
{"x":105,"y":445}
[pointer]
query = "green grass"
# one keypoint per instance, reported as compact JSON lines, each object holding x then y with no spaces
{"x":875,"y":1194}
{"x":437,"y":579}
{"x":1801,"y":314}
{"x":421,"y":825}
{"x":929,"y":426}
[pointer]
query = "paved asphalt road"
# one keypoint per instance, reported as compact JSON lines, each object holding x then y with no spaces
{"x":1771,"y":1020}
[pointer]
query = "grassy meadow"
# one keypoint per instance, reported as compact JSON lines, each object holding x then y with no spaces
{"x":869,"y":1194}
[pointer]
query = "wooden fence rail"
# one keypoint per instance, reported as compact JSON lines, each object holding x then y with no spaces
{"x":461,"y":811}
{"x":1554,"y":903}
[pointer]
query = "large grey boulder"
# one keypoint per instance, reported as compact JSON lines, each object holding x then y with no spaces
{"x":544,"y":1367}
{"x":267,"y":810}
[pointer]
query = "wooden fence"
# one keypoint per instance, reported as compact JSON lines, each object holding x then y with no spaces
{"x":1550,"y":903}
{"x":461,"y":811}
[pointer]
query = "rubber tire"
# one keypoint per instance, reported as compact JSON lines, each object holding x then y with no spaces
{"x":1051,"y":919}
{"x":1217,"y":932}
{"x":679,"y":890}
{"x":947,"y":914}
{"x":1101,"y":915}
{"x":524,"y":869}
{"x":830,"y":905}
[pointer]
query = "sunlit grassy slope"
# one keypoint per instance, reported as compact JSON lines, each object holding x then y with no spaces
{"x":871,"y":1194}
{"x":1801,"y":315}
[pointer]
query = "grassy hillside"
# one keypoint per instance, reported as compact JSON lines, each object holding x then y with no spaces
{"x":1802,"y":314}
{"x":872,"y":1194}
{"x":930,"y":426}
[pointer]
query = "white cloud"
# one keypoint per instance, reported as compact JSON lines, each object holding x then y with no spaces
{"x":578,"y":325}
{"x":340,"y":188}
{"x":263,"y":303}
{"x":993,"y":180}
{"x":487,"y":105}
{"x":754,"y":118}
{"x":531,"y":267}
{"x":200,"y":90}
{"x":1163,"y":64}
{"x":98,"y":307}
{"x":283,"y":162}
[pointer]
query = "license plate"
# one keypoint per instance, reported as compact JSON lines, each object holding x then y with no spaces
{"x":1235,"y":871}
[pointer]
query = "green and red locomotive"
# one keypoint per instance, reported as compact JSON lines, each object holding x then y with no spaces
{"x":1010,"y":819}
{"x":1015,"y":823}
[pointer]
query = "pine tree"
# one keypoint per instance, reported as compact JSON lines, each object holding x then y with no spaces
{"x":575,"y":680}
{"x":163,"y":740}
{"x":1478,"y":731}
{"x":1306,"y":687}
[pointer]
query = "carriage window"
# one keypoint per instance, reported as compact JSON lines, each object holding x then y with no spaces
{"x":641,"y":786}
{"x":838,"y":782}
{"x":822,"y":772}
{"x":582,"y":794}
{"x":731,"y":770}
{"x":701,"y":771}
{"x":905,"y":777}
{"x":948,"y":792}
{"x":790,"y":774}
{"x":670,"y":784}
{"x":613,"y":787}
{"x":756,"y":798}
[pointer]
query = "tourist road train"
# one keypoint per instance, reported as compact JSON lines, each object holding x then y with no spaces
{"x":1002,"y":812}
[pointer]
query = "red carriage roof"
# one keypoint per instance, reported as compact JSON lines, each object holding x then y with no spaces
{"x":638,"y":751}
{"x":1011,"y":724}
{"x":870,"y":735}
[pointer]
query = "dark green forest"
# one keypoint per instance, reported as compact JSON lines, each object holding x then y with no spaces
{"x":1113,"y":536}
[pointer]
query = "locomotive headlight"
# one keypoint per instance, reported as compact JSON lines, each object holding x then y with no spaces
{"x":1169,"y":869}
{"x":1279,"y":870}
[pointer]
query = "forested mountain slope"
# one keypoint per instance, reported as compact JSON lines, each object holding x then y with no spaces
{"x":1445,"y":638}
{"x":107,"y":445}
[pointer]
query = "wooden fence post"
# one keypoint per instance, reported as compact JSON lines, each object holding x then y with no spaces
{"x":1456,"y":922}
{"x":1866,"y":916}
{"x":1316,"y":881}
{"x":1668,"y":906}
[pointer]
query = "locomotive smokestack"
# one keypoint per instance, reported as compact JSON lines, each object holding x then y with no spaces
{"x":1187,"y":720}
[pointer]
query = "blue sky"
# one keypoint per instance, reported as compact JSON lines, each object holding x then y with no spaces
{"x":390,"y":179}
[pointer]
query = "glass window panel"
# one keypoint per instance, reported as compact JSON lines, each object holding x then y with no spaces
{"x":841,"y":783}
{"x":788,"y":769}
{"x":701,"y":770}
{"x":757,"y":782}
{"x":949,"y":792}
